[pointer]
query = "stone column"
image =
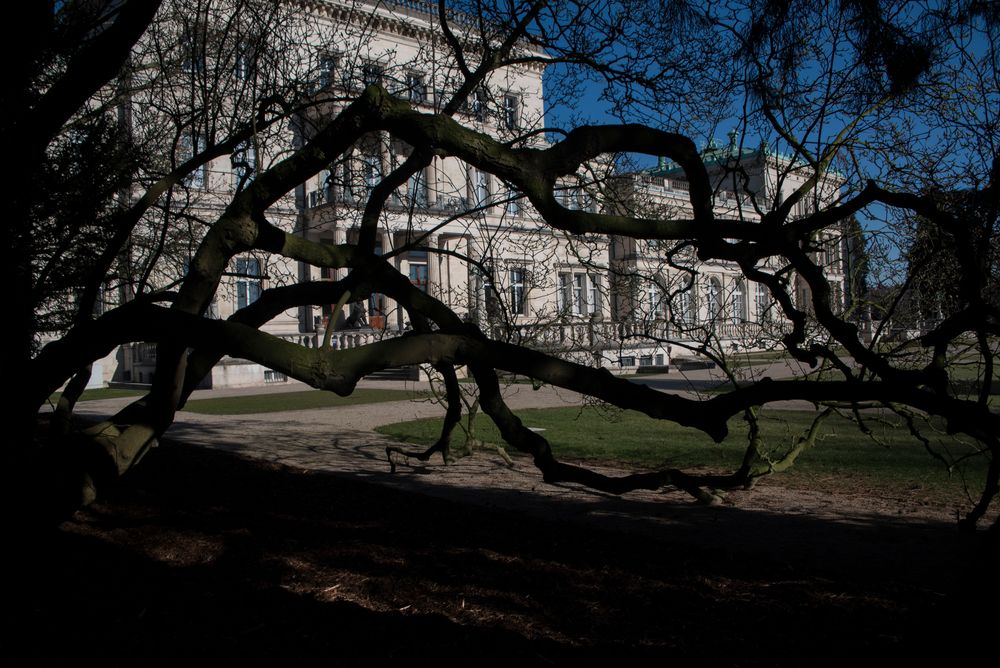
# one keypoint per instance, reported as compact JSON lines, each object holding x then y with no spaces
{"x":434,"y":287}
{"x":340,"y":238}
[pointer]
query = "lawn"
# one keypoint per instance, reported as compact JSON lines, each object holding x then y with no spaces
{"x":101,"y":393}
{"x":844,"y":459}
{"x":293,"y":401}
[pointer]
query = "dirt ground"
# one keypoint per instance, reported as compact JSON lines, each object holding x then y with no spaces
{"x":202,"y":556}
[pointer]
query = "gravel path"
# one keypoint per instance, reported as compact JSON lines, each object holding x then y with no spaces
{"x":342,"y":441}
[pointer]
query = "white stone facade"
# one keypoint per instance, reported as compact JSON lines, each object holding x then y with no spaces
{"x":612,"y":302}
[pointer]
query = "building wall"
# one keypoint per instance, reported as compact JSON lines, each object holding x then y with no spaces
{"x":614,"y":302}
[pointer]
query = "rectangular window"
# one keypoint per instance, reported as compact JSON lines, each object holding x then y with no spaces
{"x":245,"y":66}
{"x":564,"y":298}
{"x":578,"y":294}
{"x":490,"y":298}
{"x":513,"y":207}
{"x":371,"y":74}
{"x":416,"y":190}
{"x":348,"y":190}
{"x":418,"y":275}
{"x":477,"y":105}
{"x":244,"y":161}
{"x":684,"y":309}
{"x":517,"y":303}
{"x":628,"y":360}
{"x":190,"y":146}
{"x":480,"y":187}
{"x":248,"y":283}
{"x":511,"y":112}
{"x":326,"y":70}
{"x":192,"y":46}
{"x":416,"y":88}
{"x":594,"y":295}
{"x":568,"y":198}
{"x":654,"y":300}
{"x":371,"y":170}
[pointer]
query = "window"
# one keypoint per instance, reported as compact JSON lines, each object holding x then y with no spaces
{"x":416,"y":190}
{"x":192,"y":52}
{"x":594,"y":294}
{"x":579,"y":293}
{"x":244,"y":161}
{"x":490,"y":297}
{"x":511,"y":112}
{"x":248,"y":283}
{"x":480,"y":187}
{"x":416,"y":88}
{"x":245,"y":66}
{"x":477,"y":105}
{"x":513,"y":207}
{"x":324,"y":193}
{"x":685,"y":312}
{"x":190,"y":146}
{"x":714,"y":299}
{"x":575,"y":198}
{"x":326,"y":70}
{"x":568,"y":198}
{"x":834,"y":254}
{"x":418,"y":275}
{"x":517,"y":303}
{"x":654,"y":301}
{"x":371,"y":74}
{"x":347,"y":176}
{"x":762,"y":301}
{"x":739,"y":303}
{"x":564,"y":298}
{"x":371,"y":170}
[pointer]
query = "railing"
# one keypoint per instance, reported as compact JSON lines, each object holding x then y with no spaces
{"x":564,"y":336}
{"x":418,"y":6}
{"x":339,"y":340}
{"x":144,"y":353}
{"x":347,"y":197}
{"x":583,"y":335}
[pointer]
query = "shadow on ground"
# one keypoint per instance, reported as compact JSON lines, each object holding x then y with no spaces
{"x":201,"y":557}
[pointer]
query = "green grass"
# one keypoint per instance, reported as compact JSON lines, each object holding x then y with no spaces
{"x":843,"y":458}
{"x":101,"y":393}
{"x":292,"y":401}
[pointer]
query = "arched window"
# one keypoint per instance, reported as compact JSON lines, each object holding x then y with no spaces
{"x":714,"y":298}
{"x":763,"y":303}
{"x":685,"y":307}
{"x":654,"y":300}
{"x":739,"y":302}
